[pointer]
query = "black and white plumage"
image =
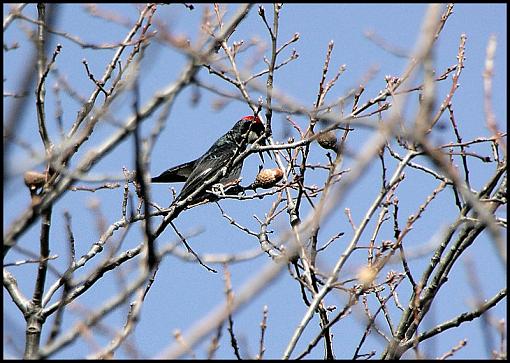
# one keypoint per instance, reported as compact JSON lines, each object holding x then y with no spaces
{"x":221,"y":154}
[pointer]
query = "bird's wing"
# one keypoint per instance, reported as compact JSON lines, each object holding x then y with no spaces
{"x":179,"y":173}
{"x":207,"y":166}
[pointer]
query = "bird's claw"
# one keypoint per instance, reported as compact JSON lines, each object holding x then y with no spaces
{"x":229,"y":188}
{"x":218,"y":189}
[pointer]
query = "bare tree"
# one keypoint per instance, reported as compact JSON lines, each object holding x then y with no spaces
{"x":374,"y":268}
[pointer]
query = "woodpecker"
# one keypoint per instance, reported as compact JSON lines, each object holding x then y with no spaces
{"x":221,"y":154}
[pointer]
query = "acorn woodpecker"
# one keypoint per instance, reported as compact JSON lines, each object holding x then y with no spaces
{"x":221,"y":154}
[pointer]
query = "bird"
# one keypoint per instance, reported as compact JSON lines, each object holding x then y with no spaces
{"x":196,"y":172}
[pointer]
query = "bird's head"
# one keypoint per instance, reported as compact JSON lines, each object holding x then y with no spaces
{"x":249,"y":128}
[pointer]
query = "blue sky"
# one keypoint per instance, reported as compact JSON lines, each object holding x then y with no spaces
{"x":184,"y":292}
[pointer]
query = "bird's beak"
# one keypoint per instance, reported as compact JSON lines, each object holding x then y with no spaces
{"x":263,"y":142}
{"x":261,"y":156}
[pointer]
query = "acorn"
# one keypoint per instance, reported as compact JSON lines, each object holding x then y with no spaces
{"x":34,"y":180}
{"x":328,"y":140}
{"x":366,"y":275}
{"x":267,"y":178}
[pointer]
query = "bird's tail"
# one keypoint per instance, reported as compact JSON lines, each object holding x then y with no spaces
{"x":179,"y":173}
